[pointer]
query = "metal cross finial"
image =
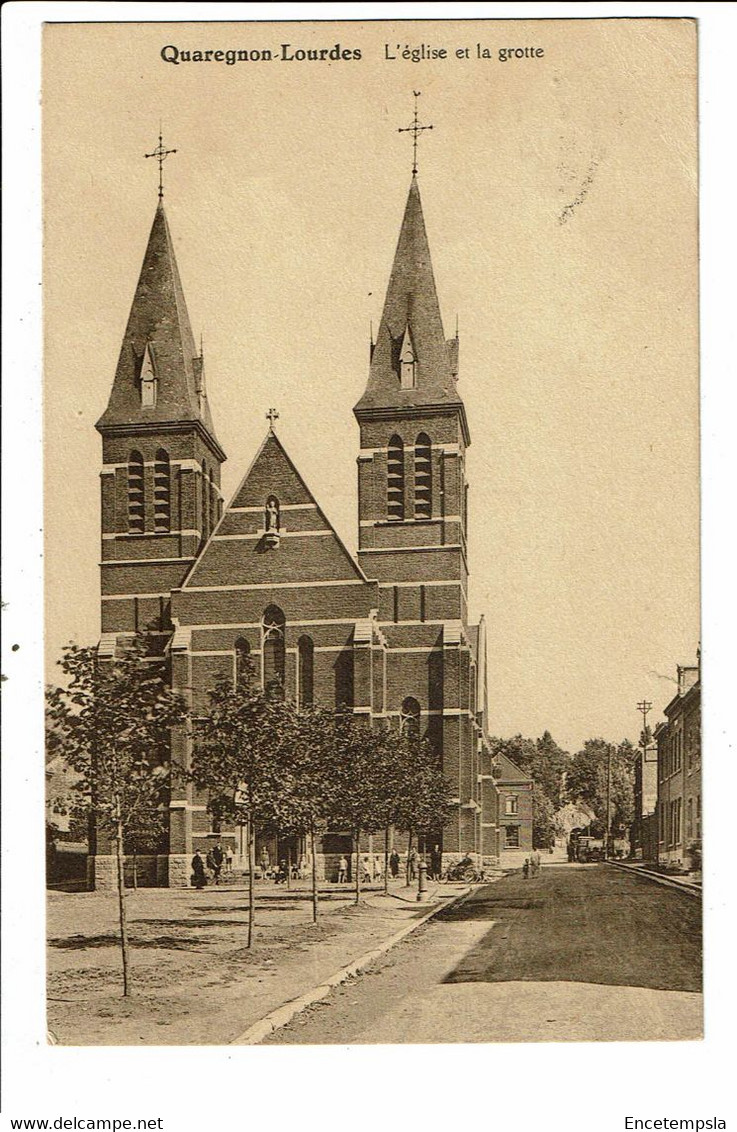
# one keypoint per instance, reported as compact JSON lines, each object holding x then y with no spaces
{"x":272,"y":416}
{"x":414,"y":129}
{"x":161,"y":155}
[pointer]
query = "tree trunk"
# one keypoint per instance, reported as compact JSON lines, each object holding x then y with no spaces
{"x":135,"y":869}
{"x":359,"y":870}
{"x":121,"y":908}
{"x":289,"y":866}
{"x":314,"y":875}
{"x":386,"y":861}
{"x":251,"y":871}
{"x":409,"y":850}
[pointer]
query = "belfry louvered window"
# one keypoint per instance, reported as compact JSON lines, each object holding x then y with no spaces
{"x":136,"y":502}
{"x":423,"y":477}
{"x":395,"y":479}
{"x":162,"y":492}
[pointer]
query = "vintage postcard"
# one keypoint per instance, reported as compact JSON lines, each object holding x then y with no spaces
{"x":371,"y":455}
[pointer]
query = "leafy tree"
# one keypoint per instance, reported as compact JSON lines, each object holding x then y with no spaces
{"x":111,"y":722}
{"x":543,"y":819}
{"x":421,"y":803}
{"x":240,"y":758}
{"x":308,"y":792}
{"x":361,"y":765}
{"x":586,"y":781}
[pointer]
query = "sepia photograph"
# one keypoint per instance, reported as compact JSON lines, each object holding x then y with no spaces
{"x":371,"y":532}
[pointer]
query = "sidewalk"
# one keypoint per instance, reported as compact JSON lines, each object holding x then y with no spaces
{"x":194,"y":981}
{"x":688,"y":882}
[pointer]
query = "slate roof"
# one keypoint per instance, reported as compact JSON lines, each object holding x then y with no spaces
{"x":412,"y":302}
{"x":158,"y":320}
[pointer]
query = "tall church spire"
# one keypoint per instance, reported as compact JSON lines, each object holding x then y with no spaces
{"x":159,"y":377}
{"x":412,"y":364}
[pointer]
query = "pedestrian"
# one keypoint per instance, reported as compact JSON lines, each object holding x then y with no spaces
{"x":526,"y":868}
{"x":199,"y":880}
{"x":378,"y":867}
{"x":436,"y":863}
{"x":217,"y":862}
{"x":342,"y":870}
{"x":265,"y":862}
{"x":412,"y":865}
{"x":394,"y":863}
{"x":281,"y":873}
{"x":229,"y":860}
{"x":367,"y":870}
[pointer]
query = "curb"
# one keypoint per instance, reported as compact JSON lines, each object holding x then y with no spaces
{"x":690,"y":890}
{"x":284,"y":1014}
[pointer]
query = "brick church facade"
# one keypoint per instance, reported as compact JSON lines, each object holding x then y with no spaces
{"x":385,"y":633}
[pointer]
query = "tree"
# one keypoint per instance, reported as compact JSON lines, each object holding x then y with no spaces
{"x":421,"y":803}
{"x":543,"y":819}
{"x":111,"y":723}
{"x":361,"y":758}
{"x":308,"y":789}
{"x":586,"y":781}
{"x":240,"y":758}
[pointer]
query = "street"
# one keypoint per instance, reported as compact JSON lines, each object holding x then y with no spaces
{"x":580,"y":953}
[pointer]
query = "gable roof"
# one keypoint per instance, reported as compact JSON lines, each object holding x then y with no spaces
{"x":511,"y":773}
{"x":309,"y":548}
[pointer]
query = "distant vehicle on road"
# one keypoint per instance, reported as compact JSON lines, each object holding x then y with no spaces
{"x":586,"y":848}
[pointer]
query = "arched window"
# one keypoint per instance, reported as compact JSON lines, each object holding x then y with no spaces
{"x":306,"y":651}
{"x":395,"y":479}
{"x":205,"y":502}
{"x":242,"y":662}
{"x":136,"y":503}
{"x":410,"y":718}
{"x":423,"y":477}
{"x":162,"y":492}
{"x":272,"y":628}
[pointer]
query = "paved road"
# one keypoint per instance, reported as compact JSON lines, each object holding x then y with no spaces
{"x":581,"y":953}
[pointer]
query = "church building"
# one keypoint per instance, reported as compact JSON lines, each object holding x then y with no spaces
{"x":385,"y":633}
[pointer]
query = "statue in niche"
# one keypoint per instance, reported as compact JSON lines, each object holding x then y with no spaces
{"x":271,"y":521}
{"x":272,"y":514}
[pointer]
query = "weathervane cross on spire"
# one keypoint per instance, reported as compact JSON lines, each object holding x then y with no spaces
{"x":272,"y":416}
{"x":161,"y":155}
{"x":415,"y":129}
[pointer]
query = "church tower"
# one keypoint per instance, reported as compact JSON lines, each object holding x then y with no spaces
{"x":160,"y":479}
{"x":413,"y":518}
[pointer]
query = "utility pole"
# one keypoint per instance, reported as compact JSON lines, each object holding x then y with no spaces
{"x":644,"y":707}
{"x":607,"y":839}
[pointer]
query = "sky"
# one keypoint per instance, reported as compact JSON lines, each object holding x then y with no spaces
{"x":559,"y":195}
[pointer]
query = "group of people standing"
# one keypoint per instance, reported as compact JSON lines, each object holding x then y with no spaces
{"x":532,"y":865}
{"x":216,"y":861}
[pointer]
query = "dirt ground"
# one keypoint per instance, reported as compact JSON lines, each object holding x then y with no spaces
{"x":194,"y":980}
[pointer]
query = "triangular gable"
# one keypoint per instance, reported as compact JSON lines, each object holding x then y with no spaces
{"x":307,"y":549}
{"x":510,"y":771}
